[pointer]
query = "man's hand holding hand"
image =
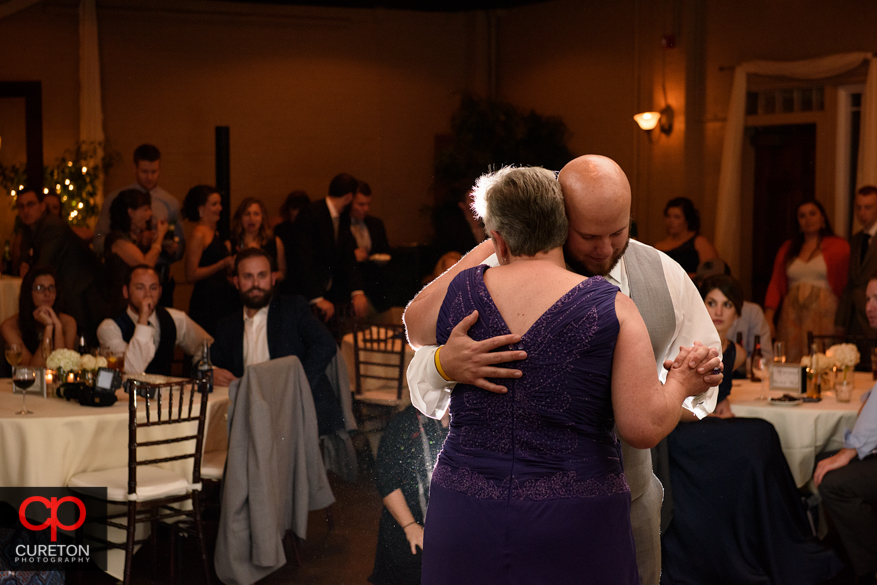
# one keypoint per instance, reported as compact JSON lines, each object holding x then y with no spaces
{"x":222,"y":377}
{"x":467,"y":361}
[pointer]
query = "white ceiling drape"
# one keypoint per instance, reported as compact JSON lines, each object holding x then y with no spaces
{"x":728,"y":220}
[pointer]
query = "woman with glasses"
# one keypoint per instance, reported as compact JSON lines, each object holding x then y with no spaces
{"x":37,"y":320}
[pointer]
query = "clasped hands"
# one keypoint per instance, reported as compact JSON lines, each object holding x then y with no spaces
{"x":467,"y":361}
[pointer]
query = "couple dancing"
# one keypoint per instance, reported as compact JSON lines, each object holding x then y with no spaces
{"x":529,"y":487}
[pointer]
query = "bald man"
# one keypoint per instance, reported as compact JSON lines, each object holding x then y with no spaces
{"x":597,"y":195}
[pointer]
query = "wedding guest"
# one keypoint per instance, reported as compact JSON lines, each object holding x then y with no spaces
{"x":249,"y":229}
{"x":684,"y":243}
{"x":273,"y":326}
{"x":165,"y":207}
{"x":407,"y":454}
{"x":146,"y":332}
{"x":208,"y":260}
{"x":809,"y":274}
{"x":288,"y":232}
{"x":851,"y":317}
{"x":731,"y":486}
{"x":48,"y":240}
{"x":371,"y":238}
{"x":54,"y":207}
{"x":847,"y":480}
{"x":330,"y":276}
{"x":131,"y":242}
{"x":37,"y":320}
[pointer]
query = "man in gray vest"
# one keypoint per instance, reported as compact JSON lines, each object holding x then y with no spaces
{"x":597,"y":196}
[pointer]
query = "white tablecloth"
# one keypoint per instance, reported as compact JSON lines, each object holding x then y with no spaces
{"x":806,"y":429}
{"x":9,"y":287}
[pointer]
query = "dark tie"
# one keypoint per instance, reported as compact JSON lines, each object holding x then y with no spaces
{"x":866,"y":240}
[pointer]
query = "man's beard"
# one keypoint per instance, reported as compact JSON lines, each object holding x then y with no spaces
{"x":579,"y":268}
{"x":252,"y":302}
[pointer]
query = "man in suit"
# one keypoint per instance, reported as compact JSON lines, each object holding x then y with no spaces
{"x":48,"y":240}
{"x":847,"y":480}
{"x":325,"y":254}
{"x":273,"y":326}
{"x":597,"y":198}
{"x":371,"y":238}
{"x":146,"y":332}
{"x":851,"y":318}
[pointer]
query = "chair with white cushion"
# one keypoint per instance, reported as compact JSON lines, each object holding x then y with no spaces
{"x":169,"y":429}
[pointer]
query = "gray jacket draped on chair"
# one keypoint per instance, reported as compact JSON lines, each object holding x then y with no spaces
{"x":274,"y":472}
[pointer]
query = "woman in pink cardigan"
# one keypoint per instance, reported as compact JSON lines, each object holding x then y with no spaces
{"x":809,"y":274}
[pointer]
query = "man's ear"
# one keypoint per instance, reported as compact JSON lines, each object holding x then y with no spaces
{"x":125,"y":291}
{"x":236,"y":282}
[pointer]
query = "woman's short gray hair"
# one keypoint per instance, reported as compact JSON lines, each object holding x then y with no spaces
{"x":525,"y":206}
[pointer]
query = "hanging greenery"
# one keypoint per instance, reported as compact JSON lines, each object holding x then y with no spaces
{"x":73,"y":177}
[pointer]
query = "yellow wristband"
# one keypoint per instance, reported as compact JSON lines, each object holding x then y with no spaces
{"x":438,"y":365}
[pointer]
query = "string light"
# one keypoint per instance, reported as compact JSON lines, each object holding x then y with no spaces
{"x":84,"y":170}
{"x":12,"y":192}
{"x":46,"y":190}
{"x":64,"y":198}
{"x":20,"y":187}
{"x":69,"y":163}
{"x":66,"y":181}
{"x":70,"y":187}
{"x":80,"y":205}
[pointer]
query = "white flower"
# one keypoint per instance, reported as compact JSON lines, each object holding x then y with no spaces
{"x":87,"y":362}
{"x":844,"y":354}
{"x":100,"y":362}
{"x":64,"y":359}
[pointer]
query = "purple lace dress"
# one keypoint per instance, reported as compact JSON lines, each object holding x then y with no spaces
{"x":529,"y":486}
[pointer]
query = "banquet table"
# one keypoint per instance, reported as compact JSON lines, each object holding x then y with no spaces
{"x":9,"y":287}
{"x":805,"y":429}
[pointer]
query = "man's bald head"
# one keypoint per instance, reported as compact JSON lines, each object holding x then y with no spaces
{"x":597,"y":197}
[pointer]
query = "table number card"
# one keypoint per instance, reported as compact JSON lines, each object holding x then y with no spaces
{"x":787,"y":377}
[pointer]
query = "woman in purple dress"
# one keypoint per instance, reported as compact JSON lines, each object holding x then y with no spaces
{"x":529,"y":486}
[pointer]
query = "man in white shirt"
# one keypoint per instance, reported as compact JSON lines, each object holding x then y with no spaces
{"x":146,"y":332}
{"x":272,"y":326}
{"x":165,"y":207}
{"x":597,"y":196}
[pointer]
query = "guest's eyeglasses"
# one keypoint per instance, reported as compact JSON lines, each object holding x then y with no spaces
{"x":41,"y":288}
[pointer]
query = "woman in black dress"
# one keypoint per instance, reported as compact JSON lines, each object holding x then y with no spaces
{"x":406,"y":456}
{"x":684,"y":242}
{"x":208,"y":260}
{"x":737,"y":516}
{"x":132,"y":241}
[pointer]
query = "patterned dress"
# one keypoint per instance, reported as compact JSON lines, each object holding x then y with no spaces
{"x":529,"y":486}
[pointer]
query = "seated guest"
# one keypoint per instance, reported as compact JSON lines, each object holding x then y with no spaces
{"x":47,"y":240}
{"x":407,"y":454}
{"x":54,"y":207}
{"x":731,"y":486}
{"x":847,"y":480}
{"x":249,"y":229}
{"x":273,"y":326}
{"x":208,"y":260}
{"x":371,"y":238}
{"x":684,"y":242}
{"x":131,"y":242}
{"x":368,"y":230}
{"x":147,"y":332}
{"x":37,"y":320}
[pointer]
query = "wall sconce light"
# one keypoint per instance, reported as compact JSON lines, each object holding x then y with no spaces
{"x":649,"y":120}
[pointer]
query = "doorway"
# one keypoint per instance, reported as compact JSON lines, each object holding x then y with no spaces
{"x":785,"y":175}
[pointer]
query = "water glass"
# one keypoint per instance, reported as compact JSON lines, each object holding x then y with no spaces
{"x":779,"y":352}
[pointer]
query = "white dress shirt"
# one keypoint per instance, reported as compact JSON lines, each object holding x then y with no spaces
{"x":141,"y":349}
{"x":256,"y":338}
{"x":431,"y":394}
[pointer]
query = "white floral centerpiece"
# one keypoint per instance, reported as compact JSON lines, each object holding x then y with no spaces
{"x":845,"y":356}
{"x":64,"y":359}
{"x":67,"y":361}
{"x":823,"y":362}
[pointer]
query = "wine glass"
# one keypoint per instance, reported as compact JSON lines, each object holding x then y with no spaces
{"x":759,"y":369}
{"x":24,"y":378}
